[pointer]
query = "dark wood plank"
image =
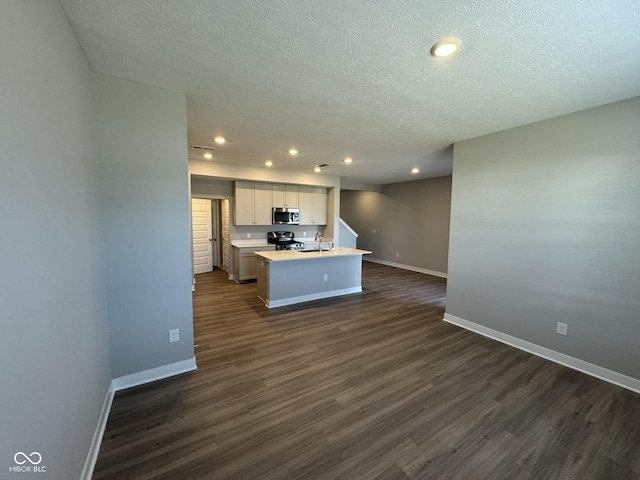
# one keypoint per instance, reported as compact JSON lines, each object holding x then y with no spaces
{"x":366,"y":386}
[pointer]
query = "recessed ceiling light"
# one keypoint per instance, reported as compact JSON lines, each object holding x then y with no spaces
{"x":445,"y":47}
{"x":268,"y":163}
{"x":293,"y":151}
{"x":219,"y":140}
{"x":415,"y":170}
{"x":207,"y":155}
{"x":317,"y":169}
{"x":348,"y":160}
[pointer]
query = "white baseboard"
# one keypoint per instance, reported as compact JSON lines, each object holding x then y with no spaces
{"x":151,"y":375}
{"x":610,"y":376}
{"x":405,"y":267}
{"x":122,"y":383}
{"x":96,"y":441}
{"x":314,"y":296}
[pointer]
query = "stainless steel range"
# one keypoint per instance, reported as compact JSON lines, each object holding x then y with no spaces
{"x":284,"y":241}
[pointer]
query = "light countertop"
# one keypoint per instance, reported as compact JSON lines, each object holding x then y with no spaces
{"x":310,"y":242}
{"x":250,"y":243}
{"x":283,"y":255}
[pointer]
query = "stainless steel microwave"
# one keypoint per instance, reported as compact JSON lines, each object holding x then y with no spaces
{"x":285,"y":216}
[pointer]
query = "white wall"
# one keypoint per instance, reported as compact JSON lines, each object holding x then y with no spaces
{"x":145,"y":222}
{"x":54,"y":345}
{"x":545,"y":227}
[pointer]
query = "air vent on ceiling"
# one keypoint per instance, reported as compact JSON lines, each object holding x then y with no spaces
{"x":200,"y":147}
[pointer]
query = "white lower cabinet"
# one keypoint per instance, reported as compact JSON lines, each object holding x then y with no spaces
{"x":244,"y":262}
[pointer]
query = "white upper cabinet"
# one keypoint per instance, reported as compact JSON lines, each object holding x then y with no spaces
{"x":284,"y":195}
{"x":244,"y":202}
{"x":252,"y":203}
{"x":313,"y":205}
{"x":305,"y":202}
{"x":254,"y":200}
{"x":320,"y":196}
{"x":262,"y":206}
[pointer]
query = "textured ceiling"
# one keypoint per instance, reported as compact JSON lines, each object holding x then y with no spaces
{"x":340,"y":78}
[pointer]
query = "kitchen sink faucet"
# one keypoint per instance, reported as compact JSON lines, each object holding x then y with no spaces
{"x":319,"y":240}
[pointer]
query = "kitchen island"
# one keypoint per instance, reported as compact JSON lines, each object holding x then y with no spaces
{"x":286,"y":277}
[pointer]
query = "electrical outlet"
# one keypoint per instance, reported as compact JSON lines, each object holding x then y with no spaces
{"x":304,"y":234}
{"x":248,"y":235}
{"x":326,"y":277}
{"x":174,"y":335}
{"x":397,"y":254}
{"x":374,"y":231}
{"x":561,"y":329}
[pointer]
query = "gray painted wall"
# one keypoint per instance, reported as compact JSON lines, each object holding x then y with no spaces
{"x":411,"y":221}
{"x":348,"y":238}
{"x":208,"y":188}
{"x":145,"y":222}
{"x":545,"y":227}
{"x":54,"y":345}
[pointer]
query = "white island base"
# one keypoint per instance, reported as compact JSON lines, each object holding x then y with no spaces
{"x":286,"y":277}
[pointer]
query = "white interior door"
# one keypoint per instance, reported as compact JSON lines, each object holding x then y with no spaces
{"x":201,"y":230}
{"x":215,"y":230}
{"x":226,"y":242}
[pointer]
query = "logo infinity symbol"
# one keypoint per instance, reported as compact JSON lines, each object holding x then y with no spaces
{"x":34,"y":459}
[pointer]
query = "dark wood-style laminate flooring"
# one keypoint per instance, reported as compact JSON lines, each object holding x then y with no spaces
{"x":371,"y":386}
